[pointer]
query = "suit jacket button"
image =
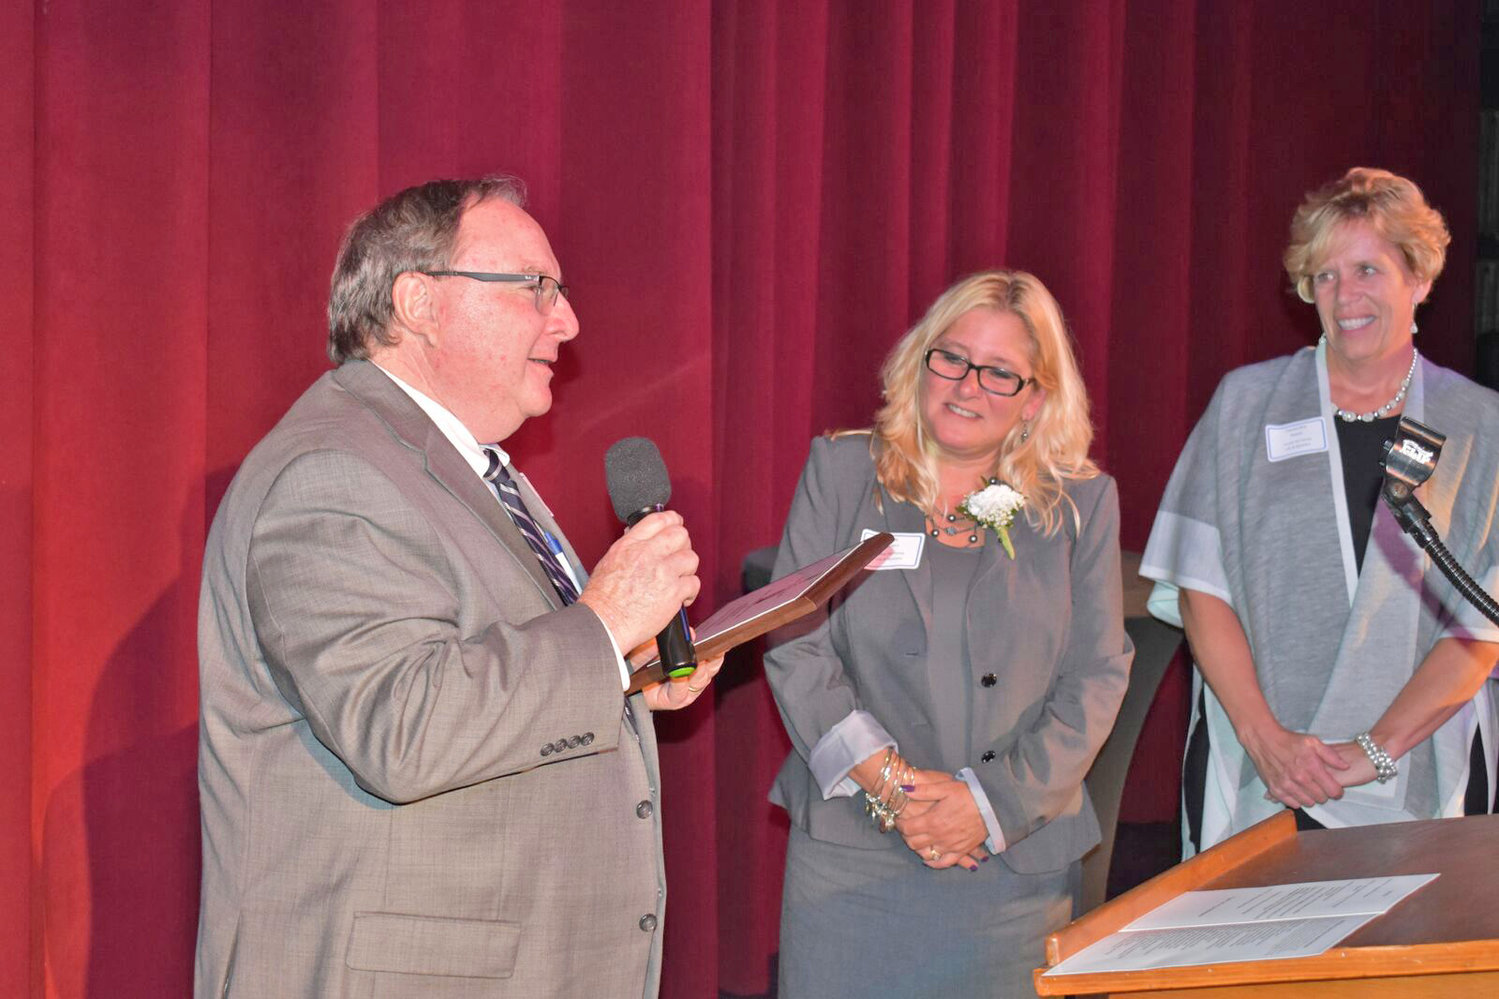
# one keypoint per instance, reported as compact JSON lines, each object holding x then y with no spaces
{"x":574,"y":741}
{"x":559,"y":746}
{"x":587,"y":738}
{"x":546,"y":750}
{"x":988,"y":679}
{"x":643,"y":810}
{"x":648,"y":922}
{"x":988,"y":756}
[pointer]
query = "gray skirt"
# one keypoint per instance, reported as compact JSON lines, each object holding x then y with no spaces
{"x":862,"y":923}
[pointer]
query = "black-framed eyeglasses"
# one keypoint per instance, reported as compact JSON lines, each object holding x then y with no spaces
{"x":955,"y":368}
{"x":547,"y":287}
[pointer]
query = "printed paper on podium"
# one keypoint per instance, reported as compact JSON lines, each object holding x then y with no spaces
{"x":779,"y":602}
{"x":1243,"y":924}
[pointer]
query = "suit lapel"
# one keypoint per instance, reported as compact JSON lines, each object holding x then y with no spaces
{"x":904,"y":518}
{"x":995,"y":581}
{"x":442,"y":462}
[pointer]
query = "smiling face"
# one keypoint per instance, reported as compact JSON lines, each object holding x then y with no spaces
{"x":1366,"y":297}
{"x":966,"y":422}
{"x":493,"y":364}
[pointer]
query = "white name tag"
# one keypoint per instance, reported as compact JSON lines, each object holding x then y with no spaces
{"x":1287,"y":440}
{"x":904,"y":552}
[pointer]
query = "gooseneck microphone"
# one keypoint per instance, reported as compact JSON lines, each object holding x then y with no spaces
{"x":1409,"y":461}
{"x":638,"y":485}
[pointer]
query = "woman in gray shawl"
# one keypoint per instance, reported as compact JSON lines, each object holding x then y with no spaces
{"x":1344,"y":676}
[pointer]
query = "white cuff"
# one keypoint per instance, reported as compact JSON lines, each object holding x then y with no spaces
{"x":996,"y":841}
{"x":1164,"y":603}
{"x":844,"y":746}
{"x":624,"y":667}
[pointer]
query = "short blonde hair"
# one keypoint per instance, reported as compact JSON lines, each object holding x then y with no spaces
{"x":1393,"y":205}
{"x":1060,"y":432}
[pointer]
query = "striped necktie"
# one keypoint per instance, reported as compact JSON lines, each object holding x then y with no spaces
{"x":499,"y":476}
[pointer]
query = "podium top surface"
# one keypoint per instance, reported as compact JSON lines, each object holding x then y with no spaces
{"x":1450,"y":925}
{"x":1462,"y":904}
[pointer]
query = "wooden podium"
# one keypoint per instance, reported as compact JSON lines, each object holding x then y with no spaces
{"x":1442,"y":941}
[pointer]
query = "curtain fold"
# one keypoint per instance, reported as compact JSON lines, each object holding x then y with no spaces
{"x":17,"y":306}
{"x":752,"y":199}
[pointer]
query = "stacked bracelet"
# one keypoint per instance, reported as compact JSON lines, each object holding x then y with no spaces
{"x":885,"y":801}
{"x":1384,"y":764}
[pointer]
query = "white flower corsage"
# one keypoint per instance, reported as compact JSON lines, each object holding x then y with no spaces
{"x":994,"y":506}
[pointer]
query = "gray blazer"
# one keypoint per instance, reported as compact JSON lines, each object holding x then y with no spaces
{"x":418,"y":775}
{"x":1046,"y":629}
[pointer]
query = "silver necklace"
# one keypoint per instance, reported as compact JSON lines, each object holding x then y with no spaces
{"x":1383,"y":411}
{"x":954,"y":526}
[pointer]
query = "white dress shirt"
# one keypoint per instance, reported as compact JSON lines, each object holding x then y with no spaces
{"x":472,"y":451}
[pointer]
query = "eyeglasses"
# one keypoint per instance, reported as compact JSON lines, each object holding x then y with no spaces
{"x":955,"y":368}
{"x":547,"y":287}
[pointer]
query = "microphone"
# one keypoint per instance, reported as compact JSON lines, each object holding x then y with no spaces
{"x":638,"y":485}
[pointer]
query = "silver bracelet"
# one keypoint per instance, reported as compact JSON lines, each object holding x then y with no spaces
{"x":1384,"y":764}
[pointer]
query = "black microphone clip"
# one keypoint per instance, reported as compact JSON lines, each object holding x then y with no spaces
{"x":1408,"y":461}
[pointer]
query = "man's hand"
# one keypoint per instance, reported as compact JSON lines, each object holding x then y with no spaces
{"x":643,"y":579}
{"x":673,"y":694}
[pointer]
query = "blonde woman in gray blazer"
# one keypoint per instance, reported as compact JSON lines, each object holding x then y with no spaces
{"x":945,"y":710}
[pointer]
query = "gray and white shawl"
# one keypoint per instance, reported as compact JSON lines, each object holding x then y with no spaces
{"x":1257,"y":515}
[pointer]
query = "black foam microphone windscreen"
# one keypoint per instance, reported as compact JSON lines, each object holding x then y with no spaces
{"x":638,"y":483}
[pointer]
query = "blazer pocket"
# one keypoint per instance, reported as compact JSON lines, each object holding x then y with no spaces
{"x":432,"y":945}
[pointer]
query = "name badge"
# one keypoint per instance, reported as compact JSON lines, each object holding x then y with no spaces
{"x":1288,"y":440}
{"x":904,"y":552}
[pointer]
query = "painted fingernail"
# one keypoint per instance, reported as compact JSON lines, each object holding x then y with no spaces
{"x":984,"y":859}
{"x":908,"y":788}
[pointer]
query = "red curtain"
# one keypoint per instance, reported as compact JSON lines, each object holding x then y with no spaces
{"x":752,"y":199}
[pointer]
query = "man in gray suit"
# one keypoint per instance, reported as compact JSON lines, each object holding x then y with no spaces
{"x":419,"y":773}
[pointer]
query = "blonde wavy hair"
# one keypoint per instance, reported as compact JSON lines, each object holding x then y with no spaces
{"x":1060,"y":433}
{"x":1392,"y":205}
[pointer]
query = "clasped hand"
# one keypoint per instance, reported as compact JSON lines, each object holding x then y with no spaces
{"x":942,"y":817}
{"x":1301,"y":770}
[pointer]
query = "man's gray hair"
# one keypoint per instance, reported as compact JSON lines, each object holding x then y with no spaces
{"x":411,"y":231}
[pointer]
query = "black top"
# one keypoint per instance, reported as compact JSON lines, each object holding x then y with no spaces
{"x":1362,"y":445}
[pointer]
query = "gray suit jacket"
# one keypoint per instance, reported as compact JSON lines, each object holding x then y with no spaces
{"x":416,"y":772}
{"x":1047,"y":626}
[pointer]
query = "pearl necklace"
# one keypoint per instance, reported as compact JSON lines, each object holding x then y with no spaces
{"x":1382,"y":411}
